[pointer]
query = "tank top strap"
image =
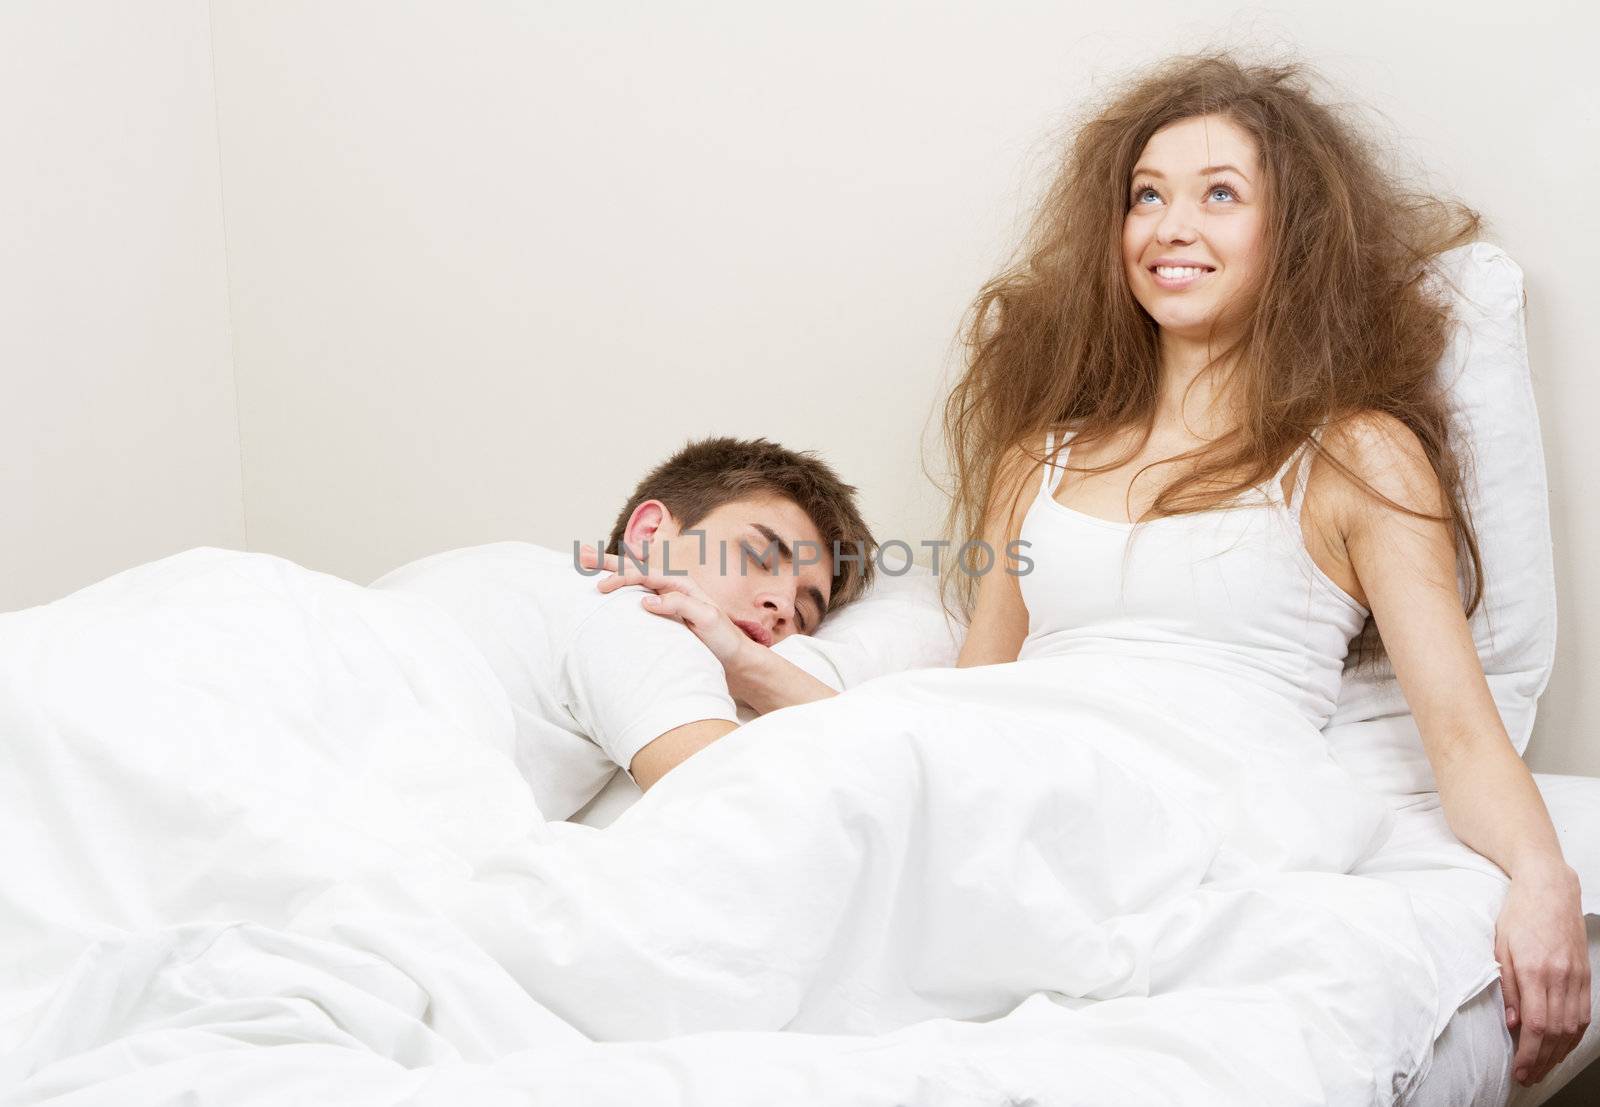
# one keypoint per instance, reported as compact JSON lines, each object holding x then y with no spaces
{"x":1052,"y":472}
{"x":1302,"y":454}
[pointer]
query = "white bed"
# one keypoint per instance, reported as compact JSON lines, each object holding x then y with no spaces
{"x":1471,"y":1063}
{"x":271,"y":846}
{"x":1472,"y":1058}
{"x":1458,"y":894}
{"x":1372,"y":733}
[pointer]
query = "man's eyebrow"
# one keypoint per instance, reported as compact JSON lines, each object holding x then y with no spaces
{"x":784,"y":551}
{"x":772,"y":536}
{"x":1206,"y":172}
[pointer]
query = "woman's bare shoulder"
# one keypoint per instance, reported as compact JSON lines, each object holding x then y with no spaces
{"x":1381,"y":450}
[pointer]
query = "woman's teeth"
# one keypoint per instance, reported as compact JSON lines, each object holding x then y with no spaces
{"x":1179,"y":272}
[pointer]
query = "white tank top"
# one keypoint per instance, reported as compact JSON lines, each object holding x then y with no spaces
{"x":1232,"y":590}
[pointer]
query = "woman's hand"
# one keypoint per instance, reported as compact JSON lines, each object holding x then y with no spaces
{"x":1544,"y":969}
{"x":1405,"y":561}
{"x":678,"y":597}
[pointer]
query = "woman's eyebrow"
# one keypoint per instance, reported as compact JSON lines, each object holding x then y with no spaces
{"x":1206,"y":172}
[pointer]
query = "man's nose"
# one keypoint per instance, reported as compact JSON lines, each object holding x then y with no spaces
{"x":778,"y":608}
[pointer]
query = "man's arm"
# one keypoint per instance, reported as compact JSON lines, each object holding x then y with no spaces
{"x":766,"y":681}
{"x":755,"y":674}
{"x":643,"y":688}
{"x":665,"y":753}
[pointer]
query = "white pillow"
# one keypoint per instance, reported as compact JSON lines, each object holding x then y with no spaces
{"x":1372,"y":732}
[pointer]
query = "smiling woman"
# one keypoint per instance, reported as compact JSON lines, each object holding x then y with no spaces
{"x":1225,"y":323}
{"x":1191,"y":242}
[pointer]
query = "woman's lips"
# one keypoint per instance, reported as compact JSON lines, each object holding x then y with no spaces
{"x":755,"y":631}
{"x":1177,"y":284}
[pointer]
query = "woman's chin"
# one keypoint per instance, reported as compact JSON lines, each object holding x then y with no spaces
{"x":1193,"y":328}
{"x":1190,"y":326}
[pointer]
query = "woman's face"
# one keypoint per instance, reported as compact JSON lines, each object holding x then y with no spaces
{"x":1191,"y":241}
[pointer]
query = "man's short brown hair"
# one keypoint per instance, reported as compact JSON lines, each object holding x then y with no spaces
{"x":704,"y":475}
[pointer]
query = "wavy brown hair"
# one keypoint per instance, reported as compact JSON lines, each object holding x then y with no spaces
{"x":1346,"y":318}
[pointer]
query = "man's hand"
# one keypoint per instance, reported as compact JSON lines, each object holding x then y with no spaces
{"x":680,"y":598}
{"x":757,"y":677}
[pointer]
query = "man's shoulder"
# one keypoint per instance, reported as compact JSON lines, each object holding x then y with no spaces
{"x":618,"y":620}
{"x":505,"y":593}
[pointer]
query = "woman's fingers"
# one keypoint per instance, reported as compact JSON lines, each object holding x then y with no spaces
{"x":1542,"y":948}
{"x":1578,"y":1015}
{"x":1508,"y":988}
{"x":1554,"y":1046}
{"x":1583,"y":1003}
{"x":1533,"y":1015}
{"x":1569,"y":1028}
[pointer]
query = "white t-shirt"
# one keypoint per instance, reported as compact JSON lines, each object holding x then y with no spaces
{"x":593,"y":678}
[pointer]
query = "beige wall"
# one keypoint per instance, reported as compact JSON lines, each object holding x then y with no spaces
{"x":490,"y":259}
{"x":118,"y":433}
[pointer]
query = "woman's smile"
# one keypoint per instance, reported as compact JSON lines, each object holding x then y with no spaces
{"x":1176,"y":278}
{"x":1192,"y":198}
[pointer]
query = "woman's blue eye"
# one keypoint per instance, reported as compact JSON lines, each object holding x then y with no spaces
{"x":1140,"y":192}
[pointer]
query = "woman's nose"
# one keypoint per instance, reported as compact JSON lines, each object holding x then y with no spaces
{"x":1177,"y":226}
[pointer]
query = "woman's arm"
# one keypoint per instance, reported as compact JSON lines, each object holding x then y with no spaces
{"x":1407,"y":568}
{"x":999,"y":618}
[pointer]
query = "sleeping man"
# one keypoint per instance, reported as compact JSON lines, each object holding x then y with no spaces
{"x":599,"y":679}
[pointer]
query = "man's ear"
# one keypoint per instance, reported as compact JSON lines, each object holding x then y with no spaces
{"x":650,"y":524}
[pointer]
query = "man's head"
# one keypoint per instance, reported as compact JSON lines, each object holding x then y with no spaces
{"x":756,"y":526}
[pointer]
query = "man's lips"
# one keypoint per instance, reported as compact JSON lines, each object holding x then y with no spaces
{"x":760,"y":634}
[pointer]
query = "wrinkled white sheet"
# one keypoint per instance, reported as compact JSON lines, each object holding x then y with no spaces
{"x":253,"y":806}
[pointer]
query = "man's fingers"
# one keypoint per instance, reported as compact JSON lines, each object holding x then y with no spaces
{"x":680,"y":606}
{"x":653,"y":581}
{"x":591,"y":558}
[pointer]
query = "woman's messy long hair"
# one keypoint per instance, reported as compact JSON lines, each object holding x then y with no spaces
{"x":1345,"y":318}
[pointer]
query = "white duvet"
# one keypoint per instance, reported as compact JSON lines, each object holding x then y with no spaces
{"x":266,"y":844}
